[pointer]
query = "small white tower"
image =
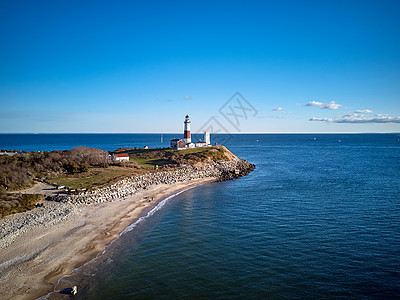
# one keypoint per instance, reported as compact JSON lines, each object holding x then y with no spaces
{"x":207,"y":138}
{"x":186,"y":132}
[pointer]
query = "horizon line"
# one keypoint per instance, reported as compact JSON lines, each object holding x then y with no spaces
{"x":238,"y":133}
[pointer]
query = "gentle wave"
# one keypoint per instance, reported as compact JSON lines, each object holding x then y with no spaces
{"x":153,"y":211}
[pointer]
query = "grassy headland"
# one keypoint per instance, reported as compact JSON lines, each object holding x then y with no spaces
{"x":149,"y":158}
{"x":87,"y":168}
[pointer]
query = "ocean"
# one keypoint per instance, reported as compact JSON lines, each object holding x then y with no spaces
{"x":318,"y":218}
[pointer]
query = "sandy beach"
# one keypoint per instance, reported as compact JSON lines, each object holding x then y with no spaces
{"x":36,"y":259}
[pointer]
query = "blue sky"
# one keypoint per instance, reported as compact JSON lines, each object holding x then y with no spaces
{"x":141,"y":66}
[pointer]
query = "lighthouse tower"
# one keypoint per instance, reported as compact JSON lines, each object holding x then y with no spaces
{"x":186,"y":133}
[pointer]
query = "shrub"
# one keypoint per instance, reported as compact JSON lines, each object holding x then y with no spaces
{"x":15,"y":203}
{"x":18,"y":171}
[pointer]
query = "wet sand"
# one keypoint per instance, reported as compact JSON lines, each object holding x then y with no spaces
{"x":31,"y":266}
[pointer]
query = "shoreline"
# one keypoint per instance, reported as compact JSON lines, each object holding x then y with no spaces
{"x":48,"y":253}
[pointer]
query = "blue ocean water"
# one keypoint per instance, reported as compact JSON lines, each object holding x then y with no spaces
{"x":104,"y":141}
{"x":318,"y":218}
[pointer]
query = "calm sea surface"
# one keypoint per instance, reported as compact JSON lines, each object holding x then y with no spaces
{"x":318,"y":218}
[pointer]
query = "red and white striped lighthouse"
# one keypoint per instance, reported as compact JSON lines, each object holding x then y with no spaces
{"x":186,"y":132}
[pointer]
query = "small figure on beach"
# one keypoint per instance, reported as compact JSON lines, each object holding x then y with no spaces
{"x":74,"y":290}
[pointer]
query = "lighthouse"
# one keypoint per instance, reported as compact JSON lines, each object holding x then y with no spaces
{"x":186,"y":132}
{"x":186,"y":142}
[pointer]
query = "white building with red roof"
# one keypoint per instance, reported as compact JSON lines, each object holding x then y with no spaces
{"x":121,"y":157}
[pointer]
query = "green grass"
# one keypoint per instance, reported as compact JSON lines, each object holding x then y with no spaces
{"x":150,"y":152}
{"x":150,"y":163}
{"x":189,"y":151}
{"x":95,"y":177}
{"x":149,"y":158}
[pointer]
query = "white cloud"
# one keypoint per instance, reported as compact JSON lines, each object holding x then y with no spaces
{"x":329,"y":120}
{"x":314,"y":103}
{"x":329,"y":105}
{"x":359,"y":117}
{"x":187,"y":97}
{"x":278,"y":109}
{"x":365,"y":111}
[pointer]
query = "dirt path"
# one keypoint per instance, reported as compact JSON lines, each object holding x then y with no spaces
{"x":40,"y":188}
